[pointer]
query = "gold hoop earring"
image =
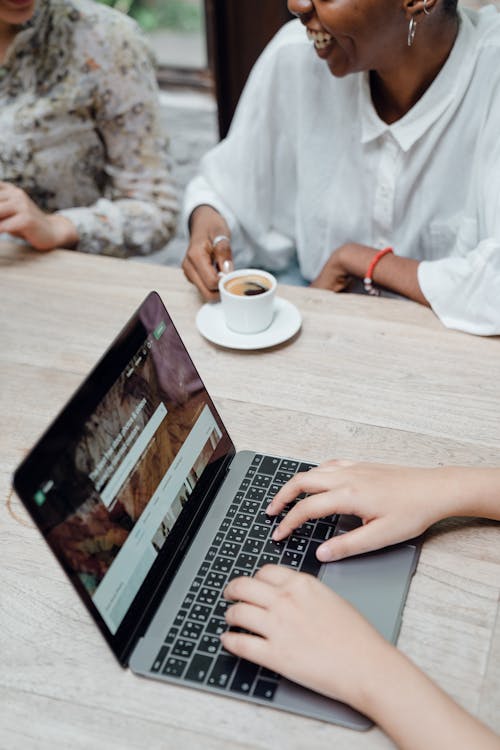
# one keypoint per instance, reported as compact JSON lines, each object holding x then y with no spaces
{"x":411,"y":31}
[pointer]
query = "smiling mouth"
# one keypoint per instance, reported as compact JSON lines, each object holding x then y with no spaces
{"x":320,"y":38}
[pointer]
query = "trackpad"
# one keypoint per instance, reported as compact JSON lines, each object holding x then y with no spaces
{"x":376,"y":584}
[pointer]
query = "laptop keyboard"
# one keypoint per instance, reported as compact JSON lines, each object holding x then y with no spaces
{"x":192,"y":649}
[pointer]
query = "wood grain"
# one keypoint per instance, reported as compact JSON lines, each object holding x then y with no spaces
{"x":365,"y":378}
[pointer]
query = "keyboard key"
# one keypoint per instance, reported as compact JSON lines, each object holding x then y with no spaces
{"x":247,"y":562}
{"x":226,"y":523}
{"x":212,"y":552}
{"x":220,"y":609}
{"x":218,"y":540}
{"x":199,"y":668}
{"x":237,"y":572}
{"x":268,"y":560}
{"x":215,"y":580}
{"x":171,"y":636}
{"x":306,"y":467}
{"x":207,"y":596}
{"x":189,"y":599}
{"x":222,"y":671}
{"x":282,"y":477}
{"x":271,"y":492}
{"x":236,"y":535}
{"x":222,"y":564}
{"x":252,"y":546}
{"x":242,"y":520}
{"x":216,"y":626}
{"x":192,"y":630}
{"x":256,"y":493}
{"x":296,"y":543}
{"x":305,"y":530}
{"x":181,"y":616}
{"x":251,"y":507}
{"x":160,"y":658}
{"x":322,"y":531}
{"x":259,"y":532}
{"x":174,"y":667}
{"x":291,"y":559}
{"x":263,"y":519}
{"x":232,"y":510}
{"x":244,"y":677}
{"x":196,"y":584}
{"x":230,"y":549}
{"x":274,"y":548}
{"x":183,"y":648}
{"x":262,"y":480}
{"x":204,"y":568}
{"x":269,"y":465}
{"x":209,"y":644}
{"x":310,"y":563}
{"x":268,"y":675}
{"x":256,"y":459}
{"x":200,"y":613}
{"x":290,"y":466}
{"x":265,"y":689}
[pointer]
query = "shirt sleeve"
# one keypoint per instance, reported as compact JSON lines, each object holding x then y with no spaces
{"x":137,"y":212}
{"x":250,"y":176}
{"x":463,"y":289}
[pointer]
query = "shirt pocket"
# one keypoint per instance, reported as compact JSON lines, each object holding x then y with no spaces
{"x":467,"y":236}
{"x":441,"y":239}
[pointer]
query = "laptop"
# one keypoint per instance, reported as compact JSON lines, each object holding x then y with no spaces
{"x":139,"y":492}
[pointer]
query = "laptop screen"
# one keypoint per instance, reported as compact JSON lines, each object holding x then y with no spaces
{"x":125,"y":463}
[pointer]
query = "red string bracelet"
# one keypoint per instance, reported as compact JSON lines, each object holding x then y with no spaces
{"x":368,"y":281}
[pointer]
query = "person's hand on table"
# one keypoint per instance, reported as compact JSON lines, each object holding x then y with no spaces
{"x":209,"y":252}
{"x":395,"y":503}
{"x":334,"y":275}
{"x":304,"y":631}
{"x":21,"y":217}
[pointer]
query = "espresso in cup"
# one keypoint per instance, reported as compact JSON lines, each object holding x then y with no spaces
{"x":247,"y":298}
{"x":248,"y":286}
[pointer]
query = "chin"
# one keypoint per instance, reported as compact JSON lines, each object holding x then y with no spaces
{"x":17,"y":16}
{"x":339,"y":71}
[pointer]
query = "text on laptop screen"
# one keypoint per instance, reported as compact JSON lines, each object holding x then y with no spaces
{"x":115,"y":493}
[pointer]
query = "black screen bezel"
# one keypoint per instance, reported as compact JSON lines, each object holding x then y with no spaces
{"x":67,"y":425}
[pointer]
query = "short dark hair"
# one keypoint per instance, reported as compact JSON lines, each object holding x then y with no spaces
{"x":450,"y":7}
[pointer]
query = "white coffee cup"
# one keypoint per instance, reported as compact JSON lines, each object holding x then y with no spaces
{"x":247,"y":298}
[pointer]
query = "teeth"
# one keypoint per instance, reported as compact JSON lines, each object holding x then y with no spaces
{"x":320,"y":38}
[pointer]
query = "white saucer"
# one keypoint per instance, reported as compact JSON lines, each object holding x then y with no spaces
{"x":211,"y":324}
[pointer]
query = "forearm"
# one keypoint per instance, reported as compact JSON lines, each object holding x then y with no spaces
{"x":123,"y":227}
{"x":392,"y":272}
{"x":417,"y":714}
{"x":473,"y":492}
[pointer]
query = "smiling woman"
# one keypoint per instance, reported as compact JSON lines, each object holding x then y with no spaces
{"x":349,"y":139}
{"x":82,"y":157}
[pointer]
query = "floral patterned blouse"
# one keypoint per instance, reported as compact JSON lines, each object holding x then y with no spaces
{"x":79,"y":127}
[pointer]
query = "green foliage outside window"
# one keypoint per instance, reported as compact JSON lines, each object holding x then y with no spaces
{"x":181,"y":15}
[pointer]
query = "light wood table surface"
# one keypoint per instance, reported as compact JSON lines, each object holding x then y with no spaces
{"x":366,"y":378}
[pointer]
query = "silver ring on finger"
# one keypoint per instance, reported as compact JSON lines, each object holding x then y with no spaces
{"x":220,"y":238}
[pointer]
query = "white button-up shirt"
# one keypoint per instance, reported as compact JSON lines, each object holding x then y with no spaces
{"x":308,"y":165}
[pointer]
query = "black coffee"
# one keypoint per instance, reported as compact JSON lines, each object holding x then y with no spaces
{"x":248,"y":286}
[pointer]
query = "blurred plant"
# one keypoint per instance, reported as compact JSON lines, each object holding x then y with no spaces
{"x":183,"y":15}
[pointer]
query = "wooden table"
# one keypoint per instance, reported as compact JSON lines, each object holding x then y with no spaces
{"x":366,"y":378}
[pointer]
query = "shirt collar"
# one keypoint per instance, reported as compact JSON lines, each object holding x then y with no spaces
{"x":436,"y":100}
